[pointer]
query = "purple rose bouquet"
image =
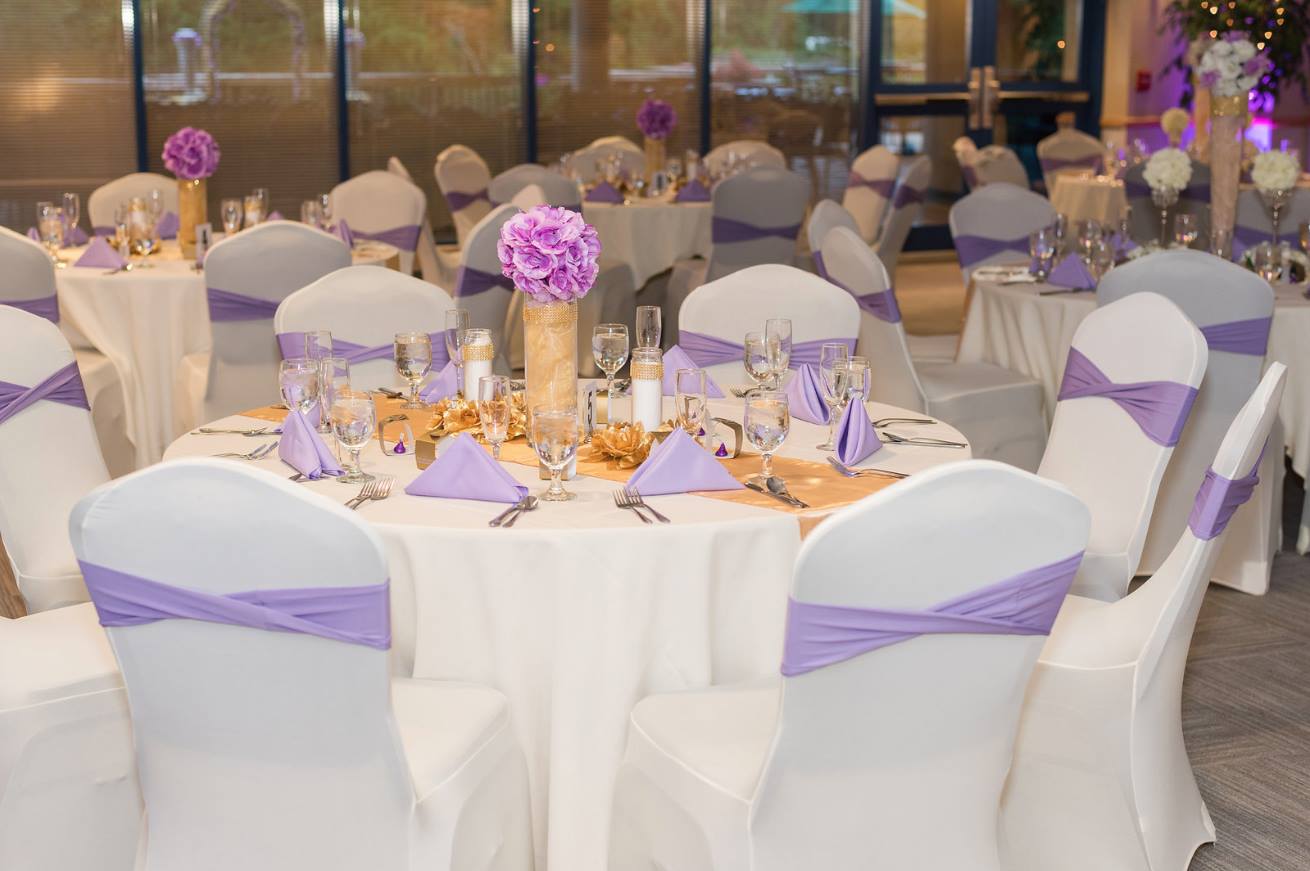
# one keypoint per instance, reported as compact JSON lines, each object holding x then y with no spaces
{"x":549,"y":253}
{"x":191,"y":154}
{"x":656,"y":118}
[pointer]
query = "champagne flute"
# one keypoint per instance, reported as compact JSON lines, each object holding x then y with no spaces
{"x":689,"y":400}
{"x":857,"y":379}
{"x":457,"y":321}
{"x":354,"y":421}
{"x":494,"y":410}
{"x":72,"y":212}
{"x":231,"y":211}
{"x":311,"y":213}
{"x":777,"y":340}
{"x":1089,"y":232}
{"x":755,"y":357}
{"x":299,"y":379}
{"x":555,"y":440}
{"x":318,"y":346}
{"x":413,"y":360}
{"x":155,"y":205}
{"x":766,"y":424}
{"x":648,"y":326}
{"x":832,"y":375}
{"x":335,"y":380}
{"x":609,"y":345}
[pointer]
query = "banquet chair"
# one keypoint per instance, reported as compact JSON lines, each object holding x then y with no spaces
{"x":529,"y":197}
{"x":717,"y":316}
{"x":27,"y":283}
{"x":997,"y":163}
{"x":906,"y":210}
{"x":1133,"y":373}
{"x":1100,"y":777}
{"x":247,"y":275}
{"x":69,"y":796}
{"x":869,"y":189}
{"x":102,"y":202}
{"x":586,"y":163}
{"x":266,"y":738}
{"x":426,"y":252}
{"x":49,"y":458}
{"x":1068,"y":150}
{"x":756,"y":218}
{"x":889,"y":750}
{"x":998,"y":410}
{"x":381,"y":205}
{"x":825,"y":215}
{"x":1144,"y":215}
{"x":1256,"y":225}
{"x":364,"y":307}
{"x":1234,"y":309}
{"x":463,"y":177}
{"x":560,"y":191}
{"x":966,"y":152}
{"x":992,"y":224}
{"x":750,"y":152}
{"x":483,"y":289}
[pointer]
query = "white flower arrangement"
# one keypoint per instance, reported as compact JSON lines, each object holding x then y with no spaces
{"x":1168,"y":168}
{"x":1231,"y":65}
{"x":1275,"y":171}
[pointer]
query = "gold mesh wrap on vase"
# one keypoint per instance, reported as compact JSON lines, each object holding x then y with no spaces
{"x":550,"y":353}
{"x":192,"y":209}
{"x":1227,"y":119}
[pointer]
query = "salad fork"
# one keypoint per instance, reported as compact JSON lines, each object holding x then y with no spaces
{"x":257,"y":453}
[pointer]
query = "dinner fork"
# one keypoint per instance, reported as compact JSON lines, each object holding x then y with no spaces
{"x":921,"y":441}
{"x":379,"y":488}
{"x":863,"y":473}
{"x":263,"y":430}
{"x":257,"y":453}
{"x":884,"y":421}
{"x":623,"y":499}
{"x":636,"y":499}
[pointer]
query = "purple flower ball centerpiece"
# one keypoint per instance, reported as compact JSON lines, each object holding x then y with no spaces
{"x":192,"y":155}
{"x":551,"y":256}
{"x":656,"y":120}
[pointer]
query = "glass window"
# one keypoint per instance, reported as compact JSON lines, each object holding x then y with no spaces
{"x":259,"y":77}
{"x":786,"y":71}
{"x":933,"y":135}
{"x":1037,"y":40}
{"x":925,"y":41}
{"x":67,"y":102}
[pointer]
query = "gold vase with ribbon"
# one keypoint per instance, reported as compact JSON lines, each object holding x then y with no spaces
{"x":654,"y":157}
{"x":550,"y":353}
{"x":192,"y":209}
{"x":1227,"y":121}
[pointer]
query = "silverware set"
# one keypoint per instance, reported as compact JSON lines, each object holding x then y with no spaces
{"x":377,"y":489}
{"x":850,"y":472}
{"x":390,"y":394}
{"x":633,"y":501}
{"x":921,"y":441}
{"x":263,"y":430}
{"x":510,"y":515}
{"x":257,"y":454}
{"x":777,"y":488}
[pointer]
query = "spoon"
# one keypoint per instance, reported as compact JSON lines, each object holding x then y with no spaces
{"x":530,"y":504}
{"x":778,"y":487}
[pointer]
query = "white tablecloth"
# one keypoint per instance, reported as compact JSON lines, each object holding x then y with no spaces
{"x":580,"y":610}
{"x":153,"y":325}
{"x":650,"y":235}
{"x":1080,"y":197}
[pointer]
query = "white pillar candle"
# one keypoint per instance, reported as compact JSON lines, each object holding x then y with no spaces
{"x":477,"y":351}
{"x":647,"y":373}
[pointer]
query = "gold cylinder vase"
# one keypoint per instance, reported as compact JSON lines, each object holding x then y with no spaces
{"x":192,"y":209}
{"x":550,"y":353}
{"x":654,"y":157}
{"x":1227,"y":120}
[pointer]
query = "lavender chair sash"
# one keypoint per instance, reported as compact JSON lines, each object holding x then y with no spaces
{"x":474,"y":281}
{"x":45,"y":307}
{"x":882,"y":186}
{"x":1087,"y":161}
{"x":906,"y":195}
{"x":1160,"y":408}
{"x":292,"y":344}
{"x":225,"y":305}
{"x":710,"y":350}
{"x":1026,"y":604}
{"x":355,"y":615}
{"x":64,"y":387}
{"x":458,"y":201}
{"x":975,"y":249}
{"x":882,"y":305}
{"x":405,"y":238}
{"x":1218,"y":499}
{"x":1250,"y":337}
{"x":727,"y":230}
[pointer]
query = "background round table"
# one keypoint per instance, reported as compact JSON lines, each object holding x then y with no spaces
{"x":580,"y":610}
{"x":651,"y":235}
{"x":1083,"y":197}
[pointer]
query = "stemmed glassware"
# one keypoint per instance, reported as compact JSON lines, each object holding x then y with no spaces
{"x":1186,"y":229}
{"x":254,"y":210}
{"x":261,"y":196}
{"x":777,"y":339}
{"x":609,"y":345}
{"x":689,"y":400}
{"x":648,"y":326}
{"x":318,"y":346}
{"x":457,"y":322}
{"x":1059,"y":229}
{"x":335,"y":380}
{"x":766,"y":425}
{"x":1276,"y":201}
{"x":1268,"y":261}
{"x":413,"y":352}
{"x":555,"y":440}
{"x":299,"y":379}
{"x":231,"y":211}
{"x":354,"y":420}
{"x":755,"y":357}
{"x":857,"y":379}
{"x":1042,"y":246}
{"x":311,"y":213}
{"x":494,"y":410}
{"x":50,"y":224}
{"x":72,"y":212}
{"x":833,"y":374}
{"x":325,"y":209}
{"x":1164,"y":198}
{"x":1089,"y":233}
{"x":1102,"y":258}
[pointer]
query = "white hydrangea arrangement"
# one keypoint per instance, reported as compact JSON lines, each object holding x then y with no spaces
{"x":1275,"y":171}
{"x":1231,"y":66}
{"x":1168,"y":168}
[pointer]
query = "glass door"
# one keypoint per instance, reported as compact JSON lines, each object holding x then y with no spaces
{"x":995,"y":71}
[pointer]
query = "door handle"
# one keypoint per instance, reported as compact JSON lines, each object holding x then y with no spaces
{"x":991,"y":96}
{"x":975,"y":98}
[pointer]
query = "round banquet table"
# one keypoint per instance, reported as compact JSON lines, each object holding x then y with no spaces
{"x":1081,"y":197}
{"x":580,"y":610}
{"x":651,"y":235}
{"x":153,"y":325}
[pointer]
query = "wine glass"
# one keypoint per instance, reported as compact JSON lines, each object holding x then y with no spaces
{"x":1042,"y":245}
{"x":1268,"y":261}
{"x":300,"y":379}
{"x":494,"y":410}
{"x":457,"y":321}
{"x":72,"y":211}
{"x":833,"y":357}
{"x":648,"y":326}
{"x":1163,"y":198}
{"x":1089,"y":232}
{"x":555,"y":440}
{"x":1186,"y":229}
{"x":335,"y":379}
{"x":354,"y":420}
{"x":766,"y":425}
{"x":1102,"y":258}
{"x":318,"y":346}
{"x":755,"y":357}
{"x":777,"y":340}
{"x":609,"y":345}
{"x":413,"y":360}
{"x":325,"y":208}
{"x":50,"y":224}
{"x":1060,"y":229}
{"x":231,"y":211}
{"x":265,"y":203}
{"x":311,"y":213}
{"x":155,"y":205}
{"x":254,"y":210}
{"x":689,"y":400}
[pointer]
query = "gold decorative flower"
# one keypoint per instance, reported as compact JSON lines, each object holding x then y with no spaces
{"x":629,"y":443}
{"x":453,"y":415}
{"x":1173,"y":122}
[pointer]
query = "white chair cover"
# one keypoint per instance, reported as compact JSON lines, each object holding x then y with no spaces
{"x":272,"y":750}
{"x":893,"y":759}
{"x":68,"y":789}
{"x":266,"y":262}
{"x":997,"y":163}
{"x":1100,"y":777}
{"x":586,"y":164}
{"x":462,"y":174}
{"x":102,"y":202}
{"x":560,"y":191}
{"x":868,"y":205}
{"x":998,"y":211}
{"x":1209,"y":291}
{"x":529,"y":197}
{"x":377,"y":201}
{"x":1068,"y":150}
{"x":998,"y":411}
{"x":1255,"y":224}
{"x":49,"y":459}
{"x":907,"y":208}
{"x":1100,"y":453}
{"x":428,"y":265}
{"x":966,"y":152}
{"x":1144,"y":215}
{"x":750,"y":152}
{"x":367,"y":306}
{"x":739,"y":303}
{"x":489,"y":308}
{"x":27,"y":274}
{"x":825,"y":215}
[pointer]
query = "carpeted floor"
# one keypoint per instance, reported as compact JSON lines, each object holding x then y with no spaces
{"x":930,"y":293}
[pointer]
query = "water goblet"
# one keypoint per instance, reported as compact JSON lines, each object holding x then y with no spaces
{"x":1102,"y":259}
{"x":1186,"y":229}
{"x":765,"y":426}
{"x":648,"y":326}
{"x":1042,"y":246}
{"x":494,"y":410}
{"x":1268,"y":261}
{"x":300,"y":380}
{"x":50,"y":224}
{"x":311,"y":213}
{"x":858,"y":377}
{"x":555,"y":440}
{"x":689,"y":400}
{"x":318,"y":346}
{"x":755,"y":357}
{"x":413,"y":353}
{"x":333,"y":379}
{"x":254,"y":210}
{"x":354,"y":420}
{"x":1089,"y":231}
{"x":609,"y":345}
{"x":457,"y":322}
{"x":832,"y":376}
{"x":777,"y":339}
{"x":155,"y":204}
{"x":231,"y":212}
{"x":72,"y":211}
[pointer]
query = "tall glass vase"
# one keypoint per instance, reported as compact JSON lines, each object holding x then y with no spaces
{"x":192,"y":209}
{"x":654,"y":157}
{"x":550,"y":354}
{"x":1227,"y":119}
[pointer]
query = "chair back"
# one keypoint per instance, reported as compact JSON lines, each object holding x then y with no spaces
{"x":481,"y":287}
{"x":529,"y":197}
{"x":876,"y":757}
{"x":1144,"y":217}
{"x":1069,"y":150}
{"x":730,"y":307}
{"x":907,"y":209}
{"x":588,"y":164}
{"x":367,"y":306}
{"x":27,"y":277}
{"x":852,"y":266}
{"x":102,"y":202}
{"x":560,"y":191}
{"x":998,"y":163}
{"x":464,"y":178}
{"x":382,"y":205}
{"x":825,"y":215}
{"x":992,"y":224}
{"x":49,"y":458}
{"x":1210,"y":292}
{"x":966,"y":152}
{"x":756,"y":218}
{"x":256,"y":748}
{"x":1255,"y":223}
{"x":1097,"y":449}
{"x":426,"y":253}
{"x":869,"y":189}
{"x":265,"y":263}
{"x":747,"y":152}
